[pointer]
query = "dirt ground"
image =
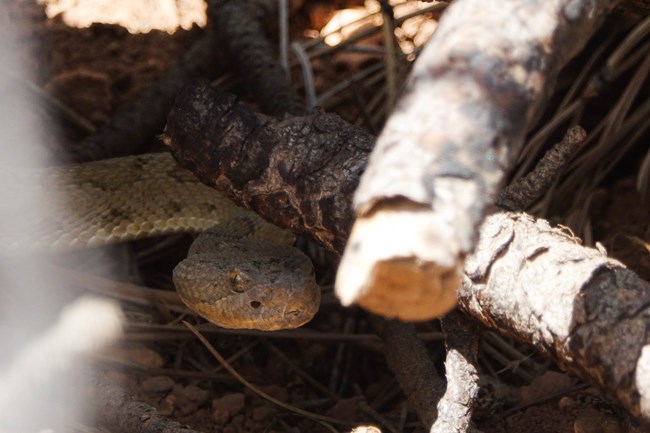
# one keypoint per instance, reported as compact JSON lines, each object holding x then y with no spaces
{"x":334,"y":363}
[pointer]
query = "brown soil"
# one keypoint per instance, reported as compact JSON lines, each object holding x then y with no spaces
{"x":96,"y":69}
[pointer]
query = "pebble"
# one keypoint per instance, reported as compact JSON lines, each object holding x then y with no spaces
{"x":158,"y":384}
{"x":168,"y":405}
{"x":189,"y":398}
{"x":261,"y":413}
{"x":226,"y":407}
{"x":138,"y":354}
{"x":196,"y":394}
{"x":593,"y":421}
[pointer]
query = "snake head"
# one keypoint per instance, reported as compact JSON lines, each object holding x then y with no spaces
{"x":250,"y":285}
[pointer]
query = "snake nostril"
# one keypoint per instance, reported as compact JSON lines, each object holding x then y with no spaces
{"x":256,"y":304}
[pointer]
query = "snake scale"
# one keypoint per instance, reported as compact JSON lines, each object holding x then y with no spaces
{"x":241,"y":272}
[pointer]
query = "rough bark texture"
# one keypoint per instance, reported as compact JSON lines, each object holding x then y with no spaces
{"x":524,"y":191}
{"x":310,"y":191}
{"x":455,"y":406}
{"x":587,"y":311}
{"x":299,"y":172}
{"x":473,"y":93}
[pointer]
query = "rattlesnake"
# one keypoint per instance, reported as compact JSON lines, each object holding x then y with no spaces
{"x":241,"y":272}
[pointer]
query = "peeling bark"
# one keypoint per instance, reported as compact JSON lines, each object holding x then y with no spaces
{"x":590,"y":313}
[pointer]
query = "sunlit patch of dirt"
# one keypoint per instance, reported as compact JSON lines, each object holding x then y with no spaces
{"x":137,"y":16}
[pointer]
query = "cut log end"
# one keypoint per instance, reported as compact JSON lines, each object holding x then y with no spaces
{"x":411,"y":291}
{"x":401,"y":261}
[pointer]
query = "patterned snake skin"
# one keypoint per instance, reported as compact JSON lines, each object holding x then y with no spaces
{"x":241,"y":273}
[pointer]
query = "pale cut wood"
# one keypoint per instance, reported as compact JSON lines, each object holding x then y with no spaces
{"x":473,"y":93}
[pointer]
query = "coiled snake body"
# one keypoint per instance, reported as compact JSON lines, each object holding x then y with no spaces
{"x":241,"y":272}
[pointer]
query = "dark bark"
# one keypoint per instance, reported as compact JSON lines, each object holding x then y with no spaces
{"x":299,"y":172}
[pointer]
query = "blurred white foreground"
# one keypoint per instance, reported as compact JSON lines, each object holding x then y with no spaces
{"x":44,"y":338}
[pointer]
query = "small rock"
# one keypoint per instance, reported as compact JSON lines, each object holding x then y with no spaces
{"x":168,"y":405}
{"x":138,"y":354}
{"x":220,"y":416}
{"x":158,"y":384}
{"x":366,"y":429}
{"x":184,"y":405}
{"x":122,"y":379}
{"x":593,"y":421}
{"x":234,"y":403}
{"x":567,"y":403}
{"x":547,"y":384}
{"x":261,"y":413}
{"x":196,"y":394}
{"x":227,"y":406}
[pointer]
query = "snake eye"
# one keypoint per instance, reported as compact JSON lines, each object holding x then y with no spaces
{"x":237,"y":282}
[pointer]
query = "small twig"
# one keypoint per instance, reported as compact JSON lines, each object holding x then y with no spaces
{"x":630,"y":42}
{"x":253,"y":388}
{"x":307,"y":75}
{"x":344,"y":84}
{"x":390,"y":57}
{"x":283,"y":18}
{"x":546,"y":399}
{"x":101,"y":362}
{"x":496,"y":340}
{"x":521,"y":193}
{"x":505,"y":362}
{"x":364,"y":34}
{"x":293,"y":334}
{"x":71,"y":115}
